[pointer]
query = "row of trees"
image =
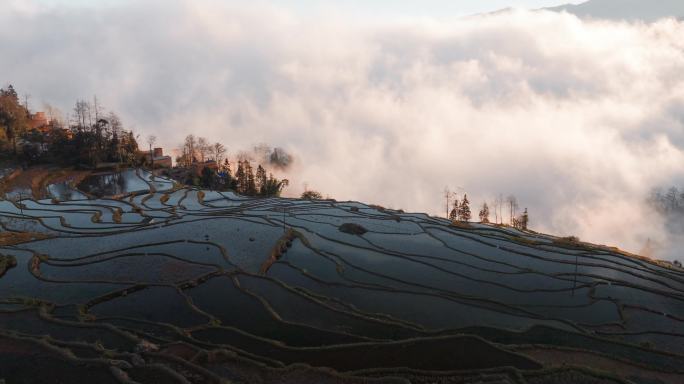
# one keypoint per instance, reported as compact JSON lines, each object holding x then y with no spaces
{"x":199,"y":149}
{"x":197,"y":153}
{"x":90,"y":137}
{"x":460,"y":210}
{"x":98,"y":136}
{"x":670,"y":201}
{"x":249,"y":183}
{"x":244,"y":180}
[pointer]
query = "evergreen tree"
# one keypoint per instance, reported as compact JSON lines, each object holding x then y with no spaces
{"x":524,"y":220}
{"x":261,"y":180}
{"x":208,"y":177}
{"x":484,"y":213}
{"x":453,"y":215}
{"x":10,"y":92}
{"x":130,"y":147}
{"x":226,"y":174}
{"x":114,"y":151}
{"x":251,"y":189}
{"x":240,"y":181}
{"x":464,"y":210}
{"x":13,"y":116}
{"x":274,"y":187}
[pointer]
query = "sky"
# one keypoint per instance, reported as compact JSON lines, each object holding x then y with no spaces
{"x":579,"y":119}
{"x":374,"y":8}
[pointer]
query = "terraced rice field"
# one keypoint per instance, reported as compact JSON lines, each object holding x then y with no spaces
{"x":178,"y":285}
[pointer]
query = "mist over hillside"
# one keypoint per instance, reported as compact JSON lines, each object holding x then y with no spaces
{"x":577,"y":118}
{"x":341,"y":192}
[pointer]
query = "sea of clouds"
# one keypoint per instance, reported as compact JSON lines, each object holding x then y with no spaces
{"x":578,"y":119}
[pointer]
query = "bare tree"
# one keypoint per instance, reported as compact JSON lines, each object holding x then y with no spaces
{"x":671,"y":198}
{"x":116,"y":127}
{"x":203,"y":148}
{"x":498,"y":202}
{"x":447,"y":196}
{"x":451,"y":200}
{"x":484,"y":213}
{"x":218,"y":151}
{"x":26,"y":102}
{"x":512,"y":206}
{"x":81,"y":115}
{"x":54,"y":114}
{"x":97,"y":108}
{"x":189,"y":150}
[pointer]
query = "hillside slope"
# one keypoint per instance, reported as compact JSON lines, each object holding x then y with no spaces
{"x":630,"y":10}
{"x":181,"y":285}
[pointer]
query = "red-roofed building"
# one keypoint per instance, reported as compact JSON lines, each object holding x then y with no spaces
{"x":40,"y":122}
{"x":160,"y":161}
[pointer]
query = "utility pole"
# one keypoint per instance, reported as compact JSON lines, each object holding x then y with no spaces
{"x":574,"y":285}
{"x":151,"y":139}
{"x":26,"y":104}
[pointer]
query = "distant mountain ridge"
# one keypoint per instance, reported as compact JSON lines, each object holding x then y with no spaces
{"x":629,"y":10}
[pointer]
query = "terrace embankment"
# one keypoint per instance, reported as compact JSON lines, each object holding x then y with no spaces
{"x":181,"y":285}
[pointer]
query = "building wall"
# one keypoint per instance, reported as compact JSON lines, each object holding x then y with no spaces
{"x":163,"y":162}
{"x":38,"y":120}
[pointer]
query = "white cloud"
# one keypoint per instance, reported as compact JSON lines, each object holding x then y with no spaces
{"x":579,"y":119}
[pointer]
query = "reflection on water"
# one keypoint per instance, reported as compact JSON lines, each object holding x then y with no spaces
{"x":64,"y":191}
{"x":18,"y":194}
{"x":109,"y":184}
{"x":412,"y":295}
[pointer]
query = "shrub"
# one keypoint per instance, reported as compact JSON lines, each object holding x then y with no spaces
{"x":6,"y":262}
{"x":14,"y":238}
{"x":523,"y":240}
{"x":461,"y":224}
{"x":312,"y":195}
{"x":567,"y":241}
{"x":117,"y":214}
{"x":352,"y":229}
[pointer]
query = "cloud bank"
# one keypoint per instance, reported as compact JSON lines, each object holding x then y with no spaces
{"x":578,"y":119}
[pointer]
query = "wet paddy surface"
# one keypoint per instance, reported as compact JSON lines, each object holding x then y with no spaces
{"x":178,"y":285}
